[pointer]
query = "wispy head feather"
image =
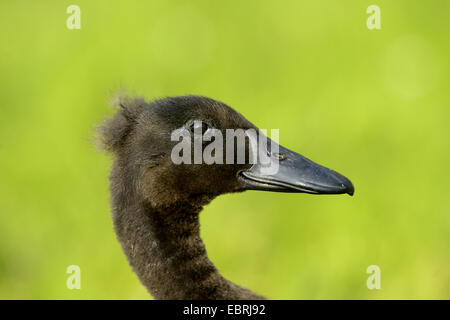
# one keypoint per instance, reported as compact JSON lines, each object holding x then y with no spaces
{"x":113,"y":131}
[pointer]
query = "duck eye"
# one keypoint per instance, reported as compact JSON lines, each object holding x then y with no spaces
{"x":199,"y":126}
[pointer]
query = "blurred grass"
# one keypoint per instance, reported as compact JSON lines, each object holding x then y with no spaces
{"x":373,"y":105}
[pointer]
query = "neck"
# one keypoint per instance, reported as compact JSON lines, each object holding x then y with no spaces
{"x":164,"y":248}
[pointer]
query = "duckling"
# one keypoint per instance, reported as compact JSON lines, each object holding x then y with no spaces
{"x":156,"y":204}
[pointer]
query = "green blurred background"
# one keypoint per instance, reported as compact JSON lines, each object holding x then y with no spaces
{"x":371,"y":104}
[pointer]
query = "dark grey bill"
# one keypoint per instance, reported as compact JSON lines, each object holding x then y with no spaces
{"x":295,"y":174}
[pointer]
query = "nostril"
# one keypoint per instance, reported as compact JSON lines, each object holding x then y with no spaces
{"x":279,"y":156}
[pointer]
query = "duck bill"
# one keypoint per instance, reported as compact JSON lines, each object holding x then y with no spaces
{"x":288,"y":171}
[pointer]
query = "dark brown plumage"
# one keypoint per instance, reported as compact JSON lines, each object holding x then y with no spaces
{"x":156,"y":203}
